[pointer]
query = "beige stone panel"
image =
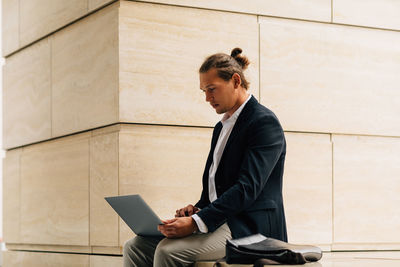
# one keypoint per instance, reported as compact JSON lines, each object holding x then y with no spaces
{"x":55,"y":192}
{"x":11,"y":196}
{"x":10,"y":26}
{"x":365,"y":246}
{"x":164,"y":165}
{"x":395,"y":255}
{"x":41,"y":17}
{"x":340,"y":259}
{"x":107,"y":250}
{"x":49,"y":248}
{"x":38,"y":259}
{"x":308,"y":188}
{"x":366,"y":190}
{"x":103,"y":183}
{"x":372,"y":13}
{"x":95,"y":4}
{"x":105,"y":261}
{"x":85,"y":73}
{"x":161,"y":50}
{"x":11,"y":258}
{"x":304,"y":9}
{"x":331,"y":78}
{"x":27,"y":96}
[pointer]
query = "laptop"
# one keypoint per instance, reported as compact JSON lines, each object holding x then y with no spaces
{"x":136,"y":214}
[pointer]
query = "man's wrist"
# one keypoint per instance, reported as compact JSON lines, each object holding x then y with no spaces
{"x":201,"y":226}
{"x":194,"y":226}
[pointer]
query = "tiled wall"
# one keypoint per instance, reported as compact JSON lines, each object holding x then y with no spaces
{"x":102,"y":98}
{"x":26,"y":21}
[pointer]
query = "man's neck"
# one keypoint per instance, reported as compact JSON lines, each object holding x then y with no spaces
{"x":241,"y":99}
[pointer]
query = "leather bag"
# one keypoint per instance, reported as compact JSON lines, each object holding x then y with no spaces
{"x":249,"y":250}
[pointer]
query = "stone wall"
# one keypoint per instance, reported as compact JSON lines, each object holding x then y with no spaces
{"x":102,"y":98}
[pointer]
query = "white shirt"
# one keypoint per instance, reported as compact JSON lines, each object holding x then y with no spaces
{"x":227,"y":126}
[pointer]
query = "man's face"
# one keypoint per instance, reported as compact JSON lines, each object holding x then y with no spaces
{"x":219,"y":93}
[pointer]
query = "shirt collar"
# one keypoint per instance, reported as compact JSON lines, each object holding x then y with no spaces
{"x":232,"y":119}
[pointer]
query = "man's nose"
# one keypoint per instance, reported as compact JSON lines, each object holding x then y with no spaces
{"x":208,"y":97}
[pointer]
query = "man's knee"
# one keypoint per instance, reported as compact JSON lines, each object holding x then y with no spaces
{"x":133,"y":243}
{"x":164,"y":248}
{"x":128,"y":245}
{"x":168,"y":250}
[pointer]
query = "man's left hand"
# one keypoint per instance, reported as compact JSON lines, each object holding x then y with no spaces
{"x":178,"y":227}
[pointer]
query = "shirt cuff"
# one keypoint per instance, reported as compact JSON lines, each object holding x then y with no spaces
{"x":200,"y":224}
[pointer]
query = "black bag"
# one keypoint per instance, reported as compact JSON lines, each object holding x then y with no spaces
{"x":254,"y":248}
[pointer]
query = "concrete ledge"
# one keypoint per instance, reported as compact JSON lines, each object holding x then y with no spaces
{"x":342,"y":259}
{"x":223,"y":264}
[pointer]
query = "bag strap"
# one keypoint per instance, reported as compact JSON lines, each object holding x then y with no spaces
{"x":263,"y":262}
{"x":217,"y":263}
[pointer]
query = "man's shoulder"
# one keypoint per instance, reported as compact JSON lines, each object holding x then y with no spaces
{"x":258,"y":111}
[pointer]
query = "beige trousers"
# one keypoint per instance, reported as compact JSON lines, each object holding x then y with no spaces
{"x":164,"y":252}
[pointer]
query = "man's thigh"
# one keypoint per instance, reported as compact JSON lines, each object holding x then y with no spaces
{"x":196,"y":247}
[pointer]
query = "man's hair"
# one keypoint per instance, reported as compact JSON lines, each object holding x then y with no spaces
{"x":227,"y":65}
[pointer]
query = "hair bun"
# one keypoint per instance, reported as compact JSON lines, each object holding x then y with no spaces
{"x":236,"y":51}
{"x":242,"y":60}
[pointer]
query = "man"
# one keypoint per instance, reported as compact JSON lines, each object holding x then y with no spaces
{"x":242,"y":180}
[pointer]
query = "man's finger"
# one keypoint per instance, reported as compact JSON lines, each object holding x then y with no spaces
{"x":170,"y":233}
{"x":178,"y":213}
{"x":170,"y":227}
{"x":165,"y":222}
{"x":182,"y":213}
{"x":190,"y":209}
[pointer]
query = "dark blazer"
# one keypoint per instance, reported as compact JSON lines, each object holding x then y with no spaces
{"x":248,"y":180}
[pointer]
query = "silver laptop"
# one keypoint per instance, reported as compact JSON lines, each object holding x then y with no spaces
{"x":136,"y":214}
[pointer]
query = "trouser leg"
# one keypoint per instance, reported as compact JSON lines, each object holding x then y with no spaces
{"x":139,"y":251}
{"x":196,"y":247}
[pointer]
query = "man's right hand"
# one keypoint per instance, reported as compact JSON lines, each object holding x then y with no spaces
{"x":189,"y":210}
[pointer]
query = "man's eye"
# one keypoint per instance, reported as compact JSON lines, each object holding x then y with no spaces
{"x":211,"y":89}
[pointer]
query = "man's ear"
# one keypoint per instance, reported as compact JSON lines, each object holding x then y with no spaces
{"x":237,"y":81}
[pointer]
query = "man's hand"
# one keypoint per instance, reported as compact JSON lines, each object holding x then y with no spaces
{"x":189,"y":210}
{"x":178,"y":227}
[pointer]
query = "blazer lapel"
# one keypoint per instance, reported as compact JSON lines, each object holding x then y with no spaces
{"x":214,"y":140}
{"x":215,"y":136}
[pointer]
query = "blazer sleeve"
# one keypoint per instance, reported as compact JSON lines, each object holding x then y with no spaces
{"x":264,"y":147}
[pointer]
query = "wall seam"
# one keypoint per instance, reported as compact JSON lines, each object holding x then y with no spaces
{"x":118,"y":75}
{"x":187,"y":126}
{"x":89,"y":177}
{"x":20,"y":195}
{"x":19,"y":25}
{"x":259,"y":58}
{"x":118,"y":190}
{"x":51,"y":85}
{"x":333,"y":190}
